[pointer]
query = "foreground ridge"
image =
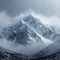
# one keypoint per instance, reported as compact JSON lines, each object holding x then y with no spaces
{"x":9,"y":55}
{"x":55,"y":56}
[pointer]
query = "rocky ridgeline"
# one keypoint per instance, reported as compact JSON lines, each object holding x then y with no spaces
{"x":8,"y":55}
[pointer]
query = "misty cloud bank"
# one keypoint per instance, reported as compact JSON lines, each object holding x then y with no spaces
{"x":44,"y":7}
{"x":6,"y":21}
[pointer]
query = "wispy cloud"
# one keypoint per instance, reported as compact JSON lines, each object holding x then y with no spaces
{"x":51,"y":20}
{"x":6,"y":20}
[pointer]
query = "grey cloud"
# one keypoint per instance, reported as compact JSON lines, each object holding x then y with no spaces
{"x":44,"y":7}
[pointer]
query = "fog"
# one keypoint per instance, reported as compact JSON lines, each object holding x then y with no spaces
{"x":30,"y":49}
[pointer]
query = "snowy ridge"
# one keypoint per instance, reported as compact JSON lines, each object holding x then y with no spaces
{"x":46,"y":41}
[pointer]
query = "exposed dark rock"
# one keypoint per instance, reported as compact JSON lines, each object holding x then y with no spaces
{"x":9,"y":55}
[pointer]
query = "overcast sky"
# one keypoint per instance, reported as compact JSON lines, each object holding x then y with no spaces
{"x":44,"y":7}
{"x":48,"y":11}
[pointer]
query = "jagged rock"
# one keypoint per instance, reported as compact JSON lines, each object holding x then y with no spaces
{"x":10,"y":55}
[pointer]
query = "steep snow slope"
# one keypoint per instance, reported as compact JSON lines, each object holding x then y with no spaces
{"x":51,"y":49}
{"x":45,"y":31}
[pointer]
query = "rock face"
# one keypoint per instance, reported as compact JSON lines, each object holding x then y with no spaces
{"x":45,"y":31}
{"x":20,"y":33}
{"x":17,"y":33}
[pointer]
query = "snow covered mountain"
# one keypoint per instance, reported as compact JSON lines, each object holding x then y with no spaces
{"x":51,"y":49}
{"x":20,"y":33}
{"x":33,"y":34}
{"x":23,"y":38}
{"x":27,"y":30}
{"x":45,"y":31}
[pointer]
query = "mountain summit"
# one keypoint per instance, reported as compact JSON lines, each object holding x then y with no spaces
{"x":30,"y":31}
{"x":27,"y":30}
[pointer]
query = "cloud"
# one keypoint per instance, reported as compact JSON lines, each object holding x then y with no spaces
{"x":6,"y":21}
{"x":51,"y":20}
{"x":44,"y":7}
